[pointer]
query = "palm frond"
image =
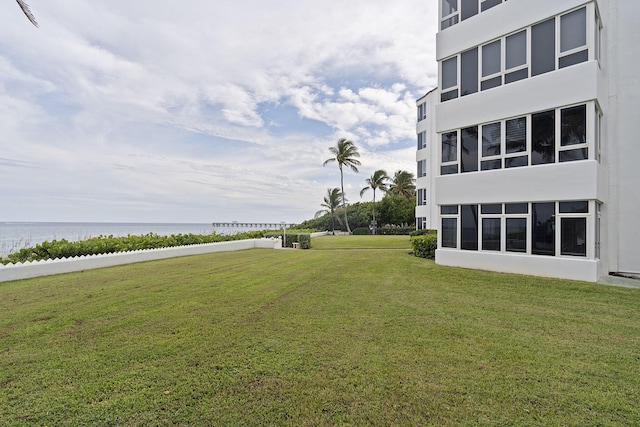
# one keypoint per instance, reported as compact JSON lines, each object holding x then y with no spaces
{"x":27,"y":11}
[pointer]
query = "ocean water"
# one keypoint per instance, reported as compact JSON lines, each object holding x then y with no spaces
{"x":17,"y":235}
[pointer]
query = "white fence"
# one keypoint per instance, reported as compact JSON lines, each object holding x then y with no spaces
{"x":68,"y":265}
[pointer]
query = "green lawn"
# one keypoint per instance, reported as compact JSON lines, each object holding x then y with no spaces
{"x":316,"y":337}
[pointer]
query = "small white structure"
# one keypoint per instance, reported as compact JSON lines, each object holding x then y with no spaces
{"x":530,"y":154}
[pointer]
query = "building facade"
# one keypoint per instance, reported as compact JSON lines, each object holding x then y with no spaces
{"x":529,"y":155}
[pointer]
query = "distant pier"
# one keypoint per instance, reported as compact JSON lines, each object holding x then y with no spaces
{"x":252,"y":225}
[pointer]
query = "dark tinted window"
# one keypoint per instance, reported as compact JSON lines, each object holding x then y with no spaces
{"x":543,"y":225}
{"x":469,"y":152}
{"x":573,"y":155}
{"x":449,"y":147}
{"x":574,"y":58}
{"x":574,"y":207}
{"x":516,"y":235}
{"x":469,"y":8}
{"x":573,"y":236}
{"x":516,"y":162}
{"x":491,"y":164}
{"x":491,"y":139}
{"x":450,"y":73}
{"x":449,"y":232}
{"x":573,"y":125}
{"x":543,"y":137}
{"x":516,"y":135}
{"x":491,"y":234}
{"x":469,"y":222}
{"x":495,"y":208}
{"x":516,"y":50}
{"x":543,"y":47}
{"x":488,"y":4}
{"x":516,"y":75}
{"x":516,"y":208}
{"x":449,"y":209}
{"x":469,"y":72}
{"x":573,"y":30}
{"x":491,"y":55}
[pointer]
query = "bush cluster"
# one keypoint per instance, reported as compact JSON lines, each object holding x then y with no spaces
{"x":395,"y":231}
{"x":360,"y":231}
{"x":425,"y":246}
{"x":109,"y":244}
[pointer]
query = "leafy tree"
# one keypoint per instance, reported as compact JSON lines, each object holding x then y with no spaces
{"x":397,"y":210}
{"x":332,"y":202}
{"x":378,"y":181}
{"x":27,"y":11}
{"x":403,"y":184}
{"x":345,"y":153}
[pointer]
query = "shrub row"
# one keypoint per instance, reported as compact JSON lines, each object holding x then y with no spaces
{"x":424,"y":246}
{"x":110,"y":244}
{"x":395,"y":231}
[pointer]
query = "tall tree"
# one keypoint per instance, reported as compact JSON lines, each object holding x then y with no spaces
{"x":378,"y":181}
{"x":27,"y":11}
{"x":345,"y":153}
{"x":332,"y":202}
{"x":403,"y":184}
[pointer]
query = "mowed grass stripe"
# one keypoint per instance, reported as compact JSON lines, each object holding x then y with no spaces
{"x":371,"y":337}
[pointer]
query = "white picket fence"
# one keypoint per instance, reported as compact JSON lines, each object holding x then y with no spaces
{"x":67,"y":265}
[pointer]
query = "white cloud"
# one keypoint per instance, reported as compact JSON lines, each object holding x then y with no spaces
{"x":127,"y":108}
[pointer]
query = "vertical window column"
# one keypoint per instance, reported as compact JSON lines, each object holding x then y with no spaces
{"x":543,"y":47}
{"x":543,"y":226}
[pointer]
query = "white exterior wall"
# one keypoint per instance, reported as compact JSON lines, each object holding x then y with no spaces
{"x":428,"y":125}
{"x":611,"y":83}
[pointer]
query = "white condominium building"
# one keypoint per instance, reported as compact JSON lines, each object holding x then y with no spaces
{"x":527,"y":159}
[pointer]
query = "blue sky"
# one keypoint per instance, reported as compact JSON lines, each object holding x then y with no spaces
{"x":204,"y":111}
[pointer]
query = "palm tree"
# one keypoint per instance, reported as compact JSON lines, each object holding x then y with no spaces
{"x":403,"y":184}
{"x":345,"y":153}
{"x":378,"y":181}
{"x":332,"y":201}
{"x":27,"y":11}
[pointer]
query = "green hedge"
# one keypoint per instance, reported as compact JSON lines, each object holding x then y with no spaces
{"x":423,"y":232}
{"x":395,"y":231}
{"x":360,"y":231}
{"x":425,"y":246}
{"x":110,"y":244}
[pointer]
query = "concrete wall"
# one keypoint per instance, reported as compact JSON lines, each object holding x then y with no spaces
{"x":68,"y":265}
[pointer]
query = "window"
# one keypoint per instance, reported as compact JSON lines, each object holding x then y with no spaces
{"x":422,"y":196}
{"x":469,"y":9}
{"x":491,"y":145}
{"x":573,"y":228}
{"x":469,"y":222}
{"x":422,"y":168}
{"x":421,"y":223}
{"x":573,"y":38}
{"x":598,"y":225}
{"x":449,"y":75}
{"x":422,"y":111}
{"x":573,"y":131}
{"x":488,"y":4}
{"x":543,"y":226}
{"x":516,"y":57}
{"x":422,"y":140}
{"x":543,"y":137}
{"x":469,"y":72}
{"x":449,"y":226}
{"x":516,"y":230}
{"x":469,"y":151}
{"x":598,"y":133}
{"x":491,"y":234}
{"x":543,"y":47}
{"x":491,"y":65}
{"x":449,"y":152}
{"x":449,"y":13}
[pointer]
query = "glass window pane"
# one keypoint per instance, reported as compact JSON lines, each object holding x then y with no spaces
{"x":516,"y":162}
{"x":449,"y":7}
{"x":574,"y":207}
{"x":469,"y":72}
{"x":449,"y":209}
{"x":446,"y":23}
{"x":516,"y":75}
{"x":469,"y":222}
{"x":516,"y":234}
{"x":573,"y":236}
{"x":573,"y":59}
{"x":516,"y":135}
{"x":574,"y":155}
{"x":573,"y":30}
{"x":573,"y":125}
{"x":449,"y":147}
{"x":543,"y":137}
{"x":516,"y":50}
{"x":449,"y":170}
{"x":488,"y":165}
{"x":543,"y":47}
{"x":469,"y":149}
{"x":516,"y":208}
{"x":488,"y":4}
{"x":452,"y":94}
{"x":491,"y":54}
{"x":491,"y":139}
{"x":491,"y":83}
{"x":449,"y":232}
{"x":494,"y":208}
{"x":543,"y":226}
{"x":469,"y":8}
{"x":450,"y":73}
{"x":491,"y":234}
